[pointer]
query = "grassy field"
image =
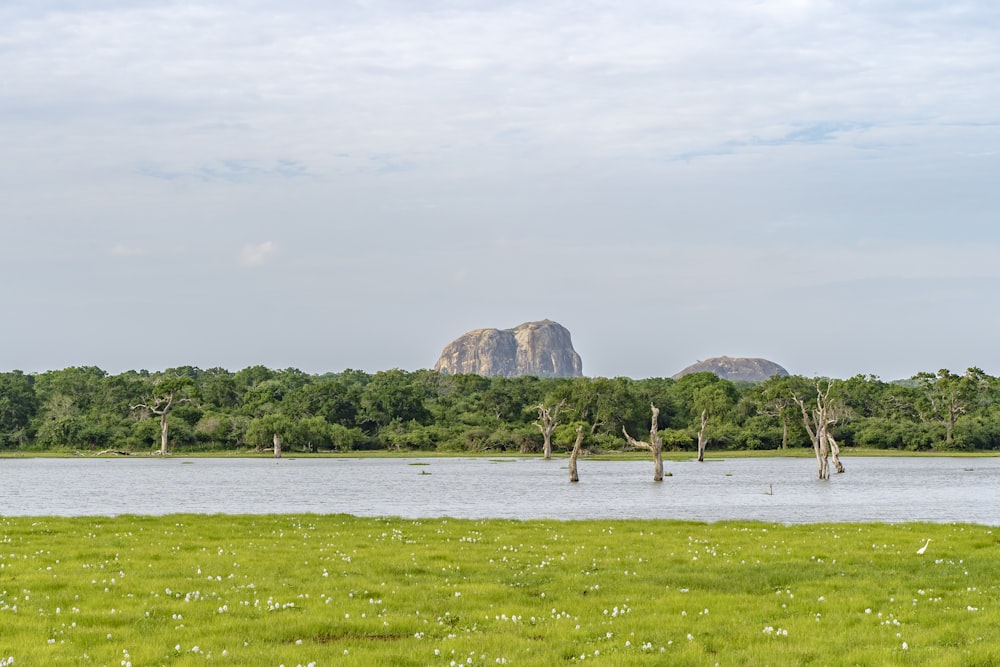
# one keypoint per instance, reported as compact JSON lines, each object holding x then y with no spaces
{"x":324,"y":590}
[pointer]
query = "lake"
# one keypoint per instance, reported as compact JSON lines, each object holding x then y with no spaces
{"x":783,"y":490}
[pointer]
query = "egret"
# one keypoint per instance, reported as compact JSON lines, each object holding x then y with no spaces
{"x":922,"y":549}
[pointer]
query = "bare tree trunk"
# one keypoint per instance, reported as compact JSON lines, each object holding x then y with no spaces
{"x":784,"y":434}
{"x":835,"y":452}
{"x":818,"y":426}
{"x":164,"y":427}
{"x":701,"y":436}
{"x":657,"y":464}
{"x":814,"y":437}
{"x":655,"y":444}
{"x":277,"y":446}
{"x":547,"y":421}
{"x":573,"y":477}
{"x":824,"y":442}
{"x":823,"y":460}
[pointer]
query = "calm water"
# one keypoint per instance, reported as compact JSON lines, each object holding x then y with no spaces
{"x":776,"y":489}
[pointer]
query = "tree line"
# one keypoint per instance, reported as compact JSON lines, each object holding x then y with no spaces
{"x":190,"y":409}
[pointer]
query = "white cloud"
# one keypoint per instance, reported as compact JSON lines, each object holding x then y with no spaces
{"x":257,"y":254}
{"x":124,"y":250}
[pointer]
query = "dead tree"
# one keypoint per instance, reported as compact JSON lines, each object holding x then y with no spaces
{"x":834,"y":452}
{"x":277,"y":446}
{"x":573,"y":477}
{"x":547,"y":421}
{"x":655,"y":444}
{"x":818,"y":422}
{"x":701,"y":435}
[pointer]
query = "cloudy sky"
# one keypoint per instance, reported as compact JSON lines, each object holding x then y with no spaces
{"x":353,"y":184}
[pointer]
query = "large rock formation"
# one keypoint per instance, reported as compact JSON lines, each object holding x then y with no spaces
{"x":533,"y":348}
{"x":736,"y":369}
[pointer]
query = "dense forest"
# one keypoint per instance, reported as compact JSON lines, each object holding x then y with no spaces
{"x":192,"y":409}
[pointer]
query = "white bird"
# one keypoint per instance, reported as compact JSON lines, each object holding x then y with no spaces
{"x":922,"y":549}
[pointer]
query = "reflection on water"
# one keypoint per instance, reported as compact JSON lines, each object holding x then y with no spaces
{"x":780,"y":490}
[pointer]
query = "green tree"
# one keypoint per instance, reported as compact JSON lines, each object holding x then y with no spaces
{"x":335,"y":400}
{"x":250,"y":376}
{"x":83,"y":407}
{"x":604,"y":404}
{"x":390,"y":396}
{"x":18,"y":404}
{"x":263,"y":398}
{"x":270,"y":430}
{"x":165,"y":395}
{"x":681,"y":397}
{"x":80,"y":385}
{"x":506,"y":399}
{"x":347,"y":439}
{"x":219,"y":390}
{"x":214,"y":428}
{"x":711,"y":401}
{"x":313,"y":433}
{"x":774,"y":399}
{"x":946,"y":396}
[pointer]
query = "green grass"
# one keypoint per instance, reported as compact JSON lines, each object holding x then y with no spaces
{"x":323,"y":590}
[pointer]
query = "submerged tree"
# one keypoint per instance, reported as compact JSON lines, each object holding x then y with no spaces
{"x":817,"y":422}
{"x":655,"y":444}
{"x":573,"y":476}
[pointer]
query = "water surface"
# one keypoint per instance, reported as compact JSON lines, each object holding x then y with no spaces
{"x":782,"y":490}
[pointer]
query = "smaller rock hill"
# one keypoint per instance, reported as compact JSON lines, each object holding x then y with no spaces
{"x":735,"y":369}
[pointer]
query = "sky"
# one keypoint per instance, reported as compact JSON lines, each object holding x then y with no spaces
{"x":354,"y":184}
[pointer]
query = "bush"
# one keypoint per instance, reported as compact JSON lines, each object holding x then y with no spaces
{"x":606,"y":441}
{"x":675,"y":439}
{"x":404,"y":435}
{"x":978,"y":432}
{"x":145,"y":434}
{"x":348,"y":439}
{"x":917,"y":437}
{"x":879,"y":433}
{"x":723,"y":435}
{"x":213,"y":428}
{"x":476,"y":438}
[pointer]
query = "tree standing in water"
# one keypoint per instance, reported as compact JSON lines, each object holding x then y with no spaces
{"x":655,"y":444}
{"x":818,"y":422}
{"x":573,"y":476}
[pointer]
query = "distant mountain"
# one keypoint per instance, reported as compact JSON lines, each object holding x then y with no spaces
{"x":736,"y":369}
{"x":541,"y":348}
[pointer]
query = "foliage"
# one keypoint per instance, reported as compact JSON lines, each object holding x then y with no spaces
{"x":85,"y":408}
{"x":18,"y":404}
